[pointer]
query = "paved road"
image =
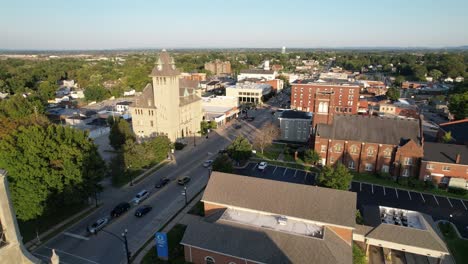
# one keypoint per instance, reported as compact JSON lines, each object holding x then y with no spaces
{"x":438,"y":207}
{"x":74,"y":246}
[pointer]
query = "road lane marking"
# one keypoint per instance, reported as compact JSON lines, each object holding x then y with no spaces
{"x":463,"y":204}
{"x":409,"y":195}
{"x":275,"y":169}
{"x":384,"y":190}
{"x":422,"y":197}
{"x":63,"y":252}
{"x":76,"y":236}
{"x":435,"y":199}
{"x":449,"y":201}
{"x":372,"y":188}
{"x":285,"y":169}
{"x":295,"y":174}
{"x":396,"y":191}
{"x":360,"y":186}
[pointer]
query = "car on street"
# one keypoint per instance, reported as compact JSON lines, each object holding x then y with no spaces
{"x":183,"y":180}
{"x":141,"y":196}
{"x":207,"y":163}
{"x":262,"y":165}
{"x":142,"y":210}
{"x":98,"y":225}
{"x":120,"y":209}
{"x":162,"y":183}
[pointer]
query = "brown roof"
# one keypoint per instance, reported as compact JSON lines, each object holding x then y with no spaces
{"x":165,"y":66}
{"x":146,"y":99}
{"x":265,"y":245}
{"x":186,"y":83}
{"x":313,"y":203}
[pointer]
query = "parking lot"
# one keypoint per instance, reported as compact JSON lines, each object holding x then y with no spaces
{"x":439,"y":207}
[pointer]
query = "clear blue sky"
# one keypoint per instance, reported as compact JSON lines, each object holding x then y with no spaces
{"x":110,"y":24}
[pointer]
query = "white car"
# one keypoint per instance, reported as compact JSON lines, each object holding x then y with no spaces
{"x":207,"y":163}
{"x":262,"y":165}
{"x":140,"y":196}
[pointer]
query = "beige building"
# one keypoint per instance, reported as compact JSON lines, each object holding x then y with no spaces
{"x":169,"y":106}
{"x":220,"y":109}
{"x":249,"y":92}
{"x":12,"y":249}
{"x":218,"y":67}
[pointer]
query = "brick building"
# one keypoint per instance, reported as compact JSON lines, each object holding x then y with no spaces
{"x":445,"y":164}
{"x":218,"y":67}
{"x":324,"y":99}
{"x":371,"y":144}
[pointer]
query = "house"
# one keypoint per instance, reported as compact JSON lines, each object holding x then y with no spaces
{"x":249,"y":92}
{"x":459,"y":79}
{"x":371,"y":144}
{"x":324,"y":99}
{"x":458,"y":131}
{"x":194,"y":76}
{"x":257,"y":74}
{"x":445,"y":164}
{"x":448,"y":79}
{"x":413,"y":85}
{"x":122,"y":106}
{"x":243,"y":225}
{"x":295,"y":126}
{"x":168,"y":106}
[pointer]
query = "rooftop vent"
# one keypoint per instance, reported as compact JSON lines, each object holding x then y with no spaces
{"x":282,"y":220}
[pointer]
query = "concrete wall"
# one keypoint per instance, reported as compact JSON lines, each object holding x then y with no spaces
{"x":297,"y":130}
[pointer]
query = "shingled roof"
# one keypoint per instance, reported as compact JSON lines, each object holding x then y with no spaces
{"x":381,"y":130}
{"x":165,"y":66}
{"x":145,"y":100}
{"x":446,"y":153}
{"x":334,"y":207}
{"x":266,"y":246}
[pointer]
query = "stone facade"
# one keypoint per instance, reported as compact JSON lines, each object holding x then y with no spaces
{"x":218,"y":67}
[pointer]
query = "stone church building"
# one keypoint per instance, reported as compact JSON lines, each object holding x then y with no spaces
{"x":169,"y":105}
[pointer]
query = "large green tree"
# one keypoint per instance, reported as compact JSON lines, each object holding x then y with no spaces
{"x":436,"y":74}
{"x":120,"y":132}
{"x":223,"y":163}
{"x":458,"y":105}
{"x":393,"y":94}
{"x":240,"y":149}
{"x":337,"y":177}
{"x":311,"y":156}
{"x":96,"y":93}
{"x":49,"y":166}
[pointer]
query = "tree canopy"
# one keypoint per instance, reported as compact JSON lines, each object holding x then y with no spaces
{"x":120,"y":132}
{"x":240,"y":149}
{"x":393,"y":94}
{"x":337,"y":177}
{"x":311,"y":156}
{"x":49,"y":166}
{"x":223,"y":163}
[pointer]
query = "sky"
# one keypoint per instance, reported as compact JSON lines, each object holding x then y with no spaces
{"x":133,"y":24}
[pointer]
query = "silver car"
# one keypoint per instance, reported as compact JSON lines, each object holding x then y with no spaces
{"x":98,"y":225}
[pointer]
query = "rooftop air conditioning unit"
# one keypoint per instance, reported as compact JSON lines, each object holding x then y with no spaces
{"x":282,"y":220}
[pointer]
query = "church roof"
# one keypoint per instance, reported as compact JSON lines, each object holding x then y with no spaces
{"x":145,"y":100}
{"x":165,"y":66}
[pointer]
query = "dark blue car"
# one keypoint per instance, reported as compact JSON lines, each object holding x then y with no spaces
{"x":141,"y":211}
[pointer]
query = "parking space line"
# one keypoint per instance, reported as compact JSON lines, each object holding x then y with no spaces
{"x":449,"y":201}
{"x":295,"y":174}
{"x":409,"y":195}
{"x":255,"y":166}
{"x":384,"y":190}
{"x":463,"y":204}
{"x":435,"y":199}
{"x":284,"y":173}
{"x":275,"y":169}
{"x":422,"y":197}
{"x":372,"y":188}
{"x":396,"y":191}
{"x":360,"y":186}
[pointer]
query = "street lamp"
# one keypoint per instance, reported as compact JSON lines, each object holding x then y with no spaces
{"x":185,"y":194}
{"x":131,"y":175}
{"x":207,"y":132}
{"x":128,"y":254}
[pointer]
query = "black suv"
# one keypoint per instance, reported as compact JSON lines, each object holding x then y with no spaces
{"x":162,"y":182}
{"x":120,"y":209}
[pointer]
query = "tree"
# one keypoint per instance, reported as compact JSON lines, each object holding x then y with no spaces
{"x":140,"y":155}
{"x":436,"y":74}
{"x":458,"y":105}
{"x":49,"y":167}
{"x":399,"y":80}
{"x":393,"y":94}
{"x":46,"y":90}
{"x":358,"y":255}
{"x":120,"y":132}
{"x":96,"y":93}
{"x":336,"y":178}
{"x":447,"y":137}
{"x":223,"y":163}
{"x":311,"y":156}
{"x":359,"y":219}
{"x":18,"y":107}
{"x":240,"y":149}
{"x":419,"y":72}
{"x":265,"y":135}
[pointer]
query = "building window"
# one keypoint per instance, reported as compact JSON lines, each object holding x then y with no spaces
{"x":338,"y":148}
{"x":151,"y":122}
{"x":323,"y":107}
{"x":446,"y":168}
{"x":332,"y":160}
{"x":387,"y":153}
{"x":429,"y":166}
{"x":351,"y":164}
{"x":408,"y":161}
{"x":209,"y":260}
{"x":323,"y":148}
{"x":370,"y":151}
{"x":369,"y":167}
{"x":353,"y":149}
{"x":385,"y":168}
{"x":405,"y":173}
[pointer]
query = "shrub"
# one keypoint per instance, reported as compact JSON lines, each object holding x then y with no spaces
{"x":458,"y":191}
{"x":179,"y":145}
{"x":403,"y":181}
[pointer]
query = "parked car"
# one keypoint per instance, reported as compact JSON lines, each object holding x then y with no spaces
{"x":238,"y":126}
{"x":98,"y":225}
{"x":183,"y":180}
{"x":207,"y":163}
{"x":162,"y":183}
{"x":262,"y":165}
{"x":141,"y":196}
{"x":120,"y":209}
{"x":141,"y":211}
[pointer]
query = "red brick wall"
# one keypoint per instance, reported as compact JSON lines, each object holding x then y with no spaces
{"x":212,"y":208}
{"x":198,"y":256}
{"x":456,"y":170}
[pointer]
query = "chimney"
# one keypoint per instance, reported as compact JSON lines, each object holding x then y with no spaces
{"x":457,"y":159}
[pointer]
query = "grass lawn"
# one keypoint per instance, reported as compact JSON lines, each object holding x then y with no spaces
{"x":176,"y":250}
{"x":198,"y":209}
{"x":370,"y":178}
{"x":271,"y":152}
{"x":457,"y":246}
{"x":28,"y":229}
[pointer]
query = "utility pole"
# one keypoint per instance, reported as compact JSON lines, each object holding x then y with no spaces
{"x":124,"y":235}
{"x":185,"y":194}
